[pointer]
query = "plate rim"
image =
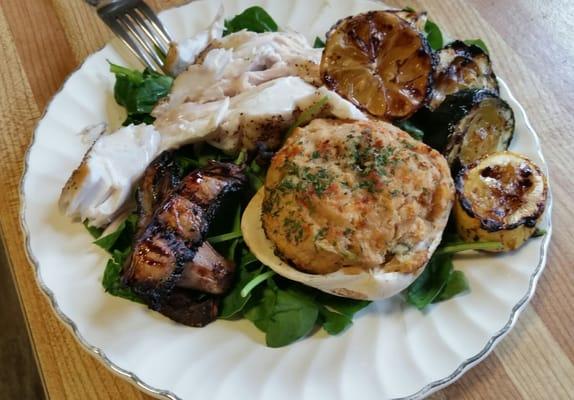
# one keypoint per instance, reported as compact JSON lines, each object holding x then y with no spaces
{"x":132,"y":378}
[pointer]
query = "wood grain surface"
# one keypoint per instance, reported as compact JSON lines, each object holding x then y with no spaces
{"x":532,"y":45}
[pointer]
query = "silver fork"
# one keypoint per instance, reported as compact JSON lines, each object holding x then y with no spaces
{"x":135,"y":23}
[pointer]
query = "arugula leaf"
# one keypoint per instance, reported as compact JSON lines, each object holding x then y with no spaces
{"x":431,"y":282}
{"x":455,"y":285}
{"x":233,"y":303}
{"x":408,"y":9}
{"x":434,"y":35}
{"x":186,"y":164}
{"x":477,"y":43}
{"x":225,"y":237}
{"x":121,"y":238}
{"x":95,"y":232}
{"x":334,"y":323}
{"x":255,"y":175}
{"x":411,"y":129}
{"x":254,"y":19}
{"x":253,"y":283}
{"x":293,"y":316}
{"x":112,"y":280}
{"x":139,"y":92}
{"x":319,"y":43}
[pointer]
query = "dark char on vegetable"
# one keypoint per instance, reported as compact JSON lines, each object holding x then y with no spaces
{"x":169,"y":248}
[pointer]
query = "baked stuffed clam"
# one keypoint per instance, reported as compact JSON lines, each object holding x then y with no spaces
{"x":355,"y":209}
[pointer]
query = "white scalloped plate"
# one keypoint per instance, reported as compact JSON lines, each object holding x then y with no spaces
{"x":392,"y":351}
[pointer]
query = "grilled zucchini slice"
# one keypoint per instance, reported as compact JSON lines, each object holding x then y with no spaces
{"x":461,"y":67}
{"x":469,"y":125}
{"x":500,"y":198}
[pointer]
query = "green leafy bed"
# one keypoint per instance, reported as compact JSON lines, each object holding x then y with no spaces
{"x":285,"y":310}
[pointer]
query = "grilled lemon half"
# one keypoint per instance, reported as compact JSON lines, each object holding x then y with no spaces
{"x":380,"y":62}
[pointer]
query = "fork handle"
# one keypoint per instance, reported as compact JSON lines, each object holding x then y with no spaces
{"x":101,"y":3}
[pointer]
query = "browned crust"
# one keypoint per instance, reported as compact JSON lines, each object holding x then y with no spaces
{"x":421,"y":258}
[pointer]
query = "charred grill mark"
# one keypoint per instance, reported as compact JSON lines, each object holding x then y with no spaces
{"x":155,"y":264}
{"x":491,"y":224}
{"x":183,"y":217}
{"x":159,"y":179}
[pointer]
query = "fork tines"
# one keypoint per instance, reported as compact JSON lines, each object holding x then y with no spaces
{"x":139,"y":28}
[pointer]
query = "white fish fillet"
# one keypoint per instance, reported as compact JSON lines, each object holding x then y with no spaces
{"x":184,"y":53}
{"x":241,"y":61}
{"x":103,"y":182}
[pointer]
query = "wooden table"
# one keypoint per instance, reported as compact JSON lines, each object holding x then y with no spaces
{"x":532,"y":44}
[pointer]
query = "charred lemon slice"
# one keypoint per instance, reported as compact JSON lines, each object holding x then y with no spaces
{"x":380,"y":62}
{"x":500,"y":198}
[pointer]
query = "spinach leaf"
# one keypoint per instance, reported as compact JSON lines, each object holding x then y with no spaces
{"x":261,"y":312}
{"x":431,"y":282}
{"x":477,"y":43}
{"x":334,"y":323}
{"x":112,"y":280}
{"x":411,"y":129}
{"x":121,"y":238}
{"x":138,"y":118}
{"x":95,"y":232}
{"x":455,"y":285}
{"x":254,"y":19}
{"x":139,"y":92}
{"x":319,"y":43}
{"x":292,"y":317}
{"x":434,"y":35}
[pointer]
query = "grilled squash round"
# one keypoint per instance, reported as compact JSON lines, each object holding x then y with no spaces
{"x":500,"y":198}
{"x":380,"y":62}
{"x":469,"y":125}
{"x":461,"y":67}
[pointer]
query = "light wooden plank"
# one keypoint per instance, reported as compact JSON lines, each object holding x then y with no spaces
{"x":531,"y":356}
{"x":41,"y":45}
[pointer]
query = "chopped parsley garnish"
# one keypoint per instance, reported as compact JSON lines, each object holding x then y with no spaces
{"x":321,"y":233}
{"x":293,"y":230}
{"x":318,"y":179}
